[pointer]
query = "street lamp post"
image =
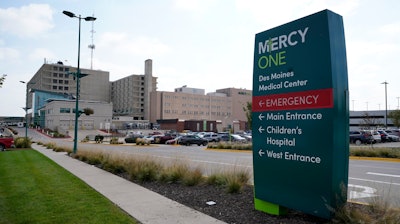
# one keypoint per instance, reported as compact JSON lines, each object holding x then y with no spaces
{"x":26,"y":107}
{"x":78,"y":74}
{"x":386,"y":110}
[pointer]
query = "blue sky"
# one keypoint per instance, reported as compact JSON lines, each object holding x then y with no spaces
{"x":199,"y":43}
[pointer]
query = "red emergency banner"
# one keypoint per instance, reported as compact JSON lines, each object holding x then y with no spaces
{"x":312,"y":99}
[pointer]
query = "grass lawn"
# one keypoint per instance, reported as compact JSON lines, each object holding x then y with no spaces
{"x":34,"y":189}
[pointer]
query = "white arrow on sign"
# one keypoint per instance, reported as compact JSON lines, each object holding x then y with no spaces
{"x":260,"y":129}
{"x":358,"y":191}
{"x":261,"y":152}
{"x":260,"y":117}
{"x":261,"y":103}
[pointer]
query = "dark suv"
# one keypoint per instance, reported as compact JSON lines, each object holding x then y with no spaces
{"x":361,"y":137}
{"x":192,"y":139}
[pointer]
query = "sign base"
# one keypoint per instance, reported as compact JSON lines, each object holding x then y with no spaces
{"x":269,"y":207}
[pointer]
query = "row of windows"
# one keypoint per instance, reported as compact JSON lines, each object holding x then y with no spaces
{"x":60,"y":81}
{"x":60,"y":88}
{"x":189,"y":112}
{"x":61,"y":75}
{"x":56,"y":68}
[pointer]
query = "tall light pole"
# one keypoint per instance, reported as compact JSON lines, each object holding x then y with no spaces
{"x":385,"y":103}
{"x":78,"y":74}
{"x":26,"y":106}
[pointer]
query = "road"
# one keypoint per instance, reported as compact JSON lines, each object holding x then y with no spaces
{"x":369,"y":181}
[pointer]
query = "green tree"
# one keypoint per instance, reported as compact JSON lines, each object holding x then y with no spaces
{"x":88,"y":111}
{"x":395,"y":117}
{"x":247,"y":110}
{"x":2,"y":79}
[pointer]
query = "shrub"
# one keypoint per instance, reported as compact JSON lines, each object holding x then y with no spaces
{"x":141,"y":141}
{"x":22,"y":142}
{"x":193,"y":177}
{"x":114,"y":140}
{"x":143,"y":169}
{"x":50,"y":145}
{"x":113,"y":163}
{"x":174,"y":173}
{"x":216,"y":179}
{"x":375,"y":152}
{"x":62,"y":149}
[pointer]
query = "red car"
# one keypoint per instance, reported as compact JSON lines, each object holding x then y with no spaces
{"x":6,"y":142}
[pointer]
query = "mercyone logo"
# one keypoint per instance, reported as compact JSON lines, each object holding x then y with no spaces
{"x":277,"y":43}
{"x":283,"y":41}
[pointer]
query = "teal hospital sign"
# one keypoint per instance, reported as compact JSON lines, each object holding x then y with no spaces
{"x":300,"y":116}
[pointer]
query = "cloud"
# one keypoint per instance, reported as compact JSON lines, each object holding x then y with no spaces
{"x":279,"y":12}
{"x":124,"y":44}
{"x":41,"y":53}
{"x":8,"y":53}
{"x":392,"y":29}
{"x":26,"y":21}
{"x":193,"y":5}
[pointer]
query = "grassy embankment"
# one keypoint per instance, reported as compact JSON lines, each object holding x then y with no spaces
{"x":33,"y":189}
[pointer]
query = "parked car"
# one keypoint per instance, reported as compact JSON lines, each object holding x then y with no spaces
{"x":384,"y":135}
{"x":212,"y":137}
{"x":192,"y":139}
{"x":166,"y":137}
{"x":395,"y":132}
{"x":361,"y":137}
{"x":376,"y":136}
{"x":6,"y":142}
{"x":132,"y":138}
{"x":238,"y":138}
{"x":173,"y":141}
{"x":391,"y":136}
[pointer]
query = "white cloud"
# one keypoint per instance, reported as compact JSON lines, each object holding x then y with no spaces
{"x":8,"y":53}
{"x":279,"y":12}
{"x":392,"y":29}
{"x":29,"y":20}
{"x":193,"y":5}
{"x":121,"y":43}
{"x":41,"y":53}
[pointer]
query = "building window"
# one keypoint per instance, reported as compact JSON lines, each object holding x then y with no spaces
{"x":65,"y":110}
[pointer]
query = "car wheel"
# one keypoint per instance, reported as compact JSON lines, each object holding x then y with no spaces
{"x":2,"y":148}
{"x":358,"y":142}
{"x":204,"y":143}
{"x":187,"y":144}
{"x":198,"y":144}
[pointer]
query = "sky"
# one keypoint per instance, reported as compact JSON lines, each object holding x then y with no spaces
{"x":207,"y":44}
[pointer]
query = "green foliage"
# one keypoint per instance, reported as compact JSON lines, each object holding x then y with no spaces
{"x":50,"y":145}
{"x":394,"y":115}
{"x":88,"y":111}
{"x":2,"y":79}
{"x":174,"y":173}
{"x":230,"y":145}
{"x":193,"y":177}
{"x":375,"y":152}
{"x":375,"y":212}
{"x":22,"y":142}
{"x":114,"y":140}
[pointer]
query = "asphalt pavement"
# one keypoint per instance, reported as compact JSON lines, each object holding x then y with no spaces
{"x":144,"y":205}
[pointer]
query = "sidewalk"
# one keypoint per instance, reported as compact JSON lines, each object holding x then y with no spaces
{"x":144,"y":205}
